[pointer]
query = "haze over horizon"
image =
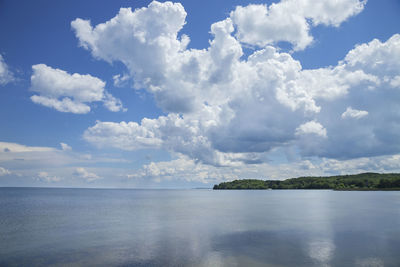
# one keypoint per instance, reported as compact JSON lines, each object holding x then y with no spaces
{"x":189,"y":94}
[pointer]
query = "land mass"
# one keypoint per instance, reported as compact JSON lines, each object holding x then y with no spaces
{"x":362,"y":181}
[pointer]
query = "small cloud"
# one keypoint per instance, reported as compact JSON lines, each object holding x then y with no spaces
{"x":65,"y":147}
{"x":311,"y":127}
{"x":120,"y":80}
{"x":83,"y":173}
{"x":45,"y":177}
{"x":6,"y":76}
{"x":113,"y":104}
{"x":354,"y":113}
{"x":4,"y":171}
{"x":395,"y":82}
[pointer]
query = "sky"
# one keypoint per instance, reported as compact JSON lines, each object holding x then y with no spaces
{"x":141,"y":94}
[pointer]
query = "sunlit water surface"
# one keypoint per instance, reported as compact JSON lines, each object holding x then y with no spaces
{"x":198,"y":228}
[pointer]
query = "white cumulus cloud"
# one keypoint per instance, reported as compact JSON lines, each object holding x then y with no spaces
{"x":125,"y":136}
{"x":69,"y":92}
{"x":311,"y":127}
{"x":225,"y":109}
{"x":354,"y":113}
{"x":290,"y":20}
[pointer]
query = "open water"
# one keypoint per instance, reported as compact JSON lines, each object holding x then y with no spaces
{"x":107,"y":227}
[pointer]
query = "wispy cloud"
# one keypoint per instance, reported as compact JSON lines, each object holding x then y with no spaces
{"x":6,"y":76}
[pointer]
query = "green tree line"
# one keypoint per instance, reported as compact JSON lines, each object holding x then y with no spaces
{"x":362,"y":181}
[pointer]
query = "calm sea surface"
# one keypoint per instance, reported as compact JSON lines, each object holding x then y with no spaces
{"x":198,"y":228}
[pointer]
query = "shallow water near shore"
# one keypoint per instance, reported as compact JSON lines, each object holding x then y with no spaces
{"x":40,"y":226}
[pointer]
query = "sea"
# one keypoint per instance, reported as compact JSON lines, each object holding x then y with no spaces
{"x":133,"y":227}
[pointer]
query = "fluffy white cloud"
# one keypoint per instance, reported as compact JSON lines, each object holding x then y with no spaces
{"x":354,"y":113}
{"x":376,"y":56}
{"x":6,"y":75}
{"x":226,"y":110}
{"x":64,"y":105}
{"x":261,"y":25}
{"x":125,"y":136}
{"x":144,"y":34}
{"x":372,"y":135}
{"x":311,"y":127}
{"x":4,"y":171}
{"x":327,"y":12}
{"x":113,"y":104}
{"x":84,"y":174}
{"x":290,"y":20}
{"x":69,"y":92}
{"x":332,"y":83}
{"x":45,"y":177}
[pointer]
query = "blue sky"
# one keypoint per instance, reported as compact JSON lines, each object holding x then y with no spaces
{"x":192,"y":93}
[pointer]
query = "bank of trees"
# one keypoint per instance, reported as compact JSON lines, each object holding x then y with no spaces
{"x":363,"y":181}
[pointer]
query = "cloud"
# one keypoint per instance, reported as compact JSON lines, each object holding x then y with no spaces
{"x":185,"y":169}
{"x":64,"y":105}
{"x":395,"y":82}
{"x":376,"y":56}
{"x":121,"y":80}
{"x":83,"y":173}
{"x":290,"y":20}
{"x":69,"y":92}
{"x":113,"y":104}
{"x":311,"y":127}
{"x":141,"y":31}
{"x":21,"y":157}
{"x":65,"y":147}
{"x":45,"y":177}
{"x":354,"y":113}
{"x":4,"y":171}
{"x":29,"y":164}
{"x":32,"y":157}
{"x":225,"y":109}
{"x":30,"y":160}
{"x":14,"y":147}
{"x":6,"y":76}
{"x":372,"y":135}
{"x":126,"y":136}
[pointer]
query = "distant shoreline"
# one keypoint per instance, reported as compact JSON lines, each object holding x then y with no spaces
{"x":357,"y":189}
{"x":358,"y":182}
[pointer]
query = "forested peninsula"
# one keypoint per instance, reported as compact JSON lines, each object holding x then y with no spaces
{"x":362,"y":181}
